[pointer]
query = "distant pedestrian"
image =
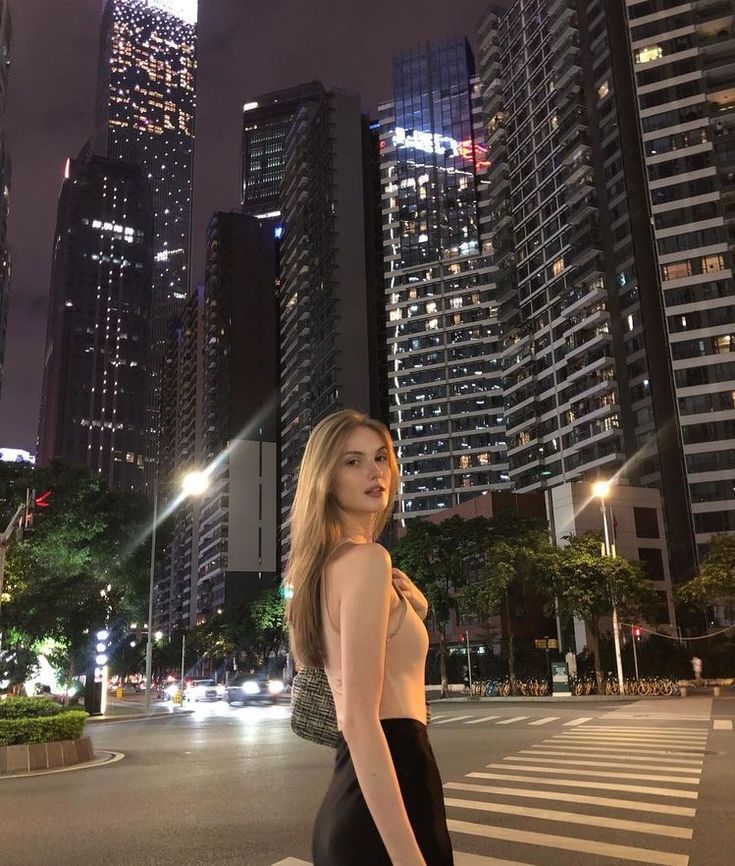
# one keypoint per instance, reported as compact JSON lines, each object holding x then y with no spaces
{"x":362,"y":621}
{"x":571,"y":660}
{"x":697,"y":668}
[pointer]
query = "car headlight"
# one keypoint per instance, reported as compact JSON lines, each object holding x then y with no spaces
{"x":220,"y":689}
{"x":250,"y":687}
{"x":171,"y":690}
{"x":275,"y":687}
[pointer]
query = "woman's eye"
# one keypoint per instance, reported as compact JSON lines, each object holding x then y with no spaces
{"x":381,"y":458}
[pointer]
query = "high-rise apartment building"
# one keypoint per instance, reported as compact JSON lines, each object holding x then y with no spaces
{"x":444,"y":371}
{"x":325,"y":362}
{"x":683,"y":58}
{"x":145,"y":114}
{"x":5,"y":37}
{"x":587,"y":376}
{"x":237,"y":553}
{"x":96,"y":372}
{"x":266,"y":122}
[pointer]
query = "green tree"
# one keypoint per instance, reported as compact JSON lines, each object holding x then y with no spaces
{"x":512,"y":556}
{"x":715,"y":583}
{"x":438,"y":557}
{"x":585,"y":583}
{"x":83,"y":565}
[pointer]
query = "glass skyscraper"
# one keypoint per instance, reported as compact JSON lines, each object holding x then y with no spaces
{"x":445,"y":387}
{"x":145,"y":115}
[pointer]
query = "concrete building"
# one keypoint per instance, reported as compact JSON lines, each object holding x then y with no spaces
{"x":5,"y":179}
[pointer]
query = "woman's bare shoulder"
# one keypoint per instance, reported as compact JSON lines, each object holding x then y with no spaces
{"x":363,"y":561}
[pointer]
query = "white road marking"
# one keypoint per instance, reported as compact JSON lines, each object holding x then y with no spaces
{"x":657,"y":730}
{"x":569,"y":843}
{"x":589,"y":785}
{"x":482,"y":719}
{"x":644,"y":777}
{"x":672,"y":831}
{"x":618,"y":749}
{"x":579,"y":721}
{"x":545,"y":721}
{"x":723,"y":724}
{"x":616,"y":741}
{"x":609,"y":756}
{"x":514,"y":719}
{"x":606,"y":763}
{"x":452,"y":719}
{"x":565,"y":796}
{"x":436,"y":718}
{"x":292,"y":861}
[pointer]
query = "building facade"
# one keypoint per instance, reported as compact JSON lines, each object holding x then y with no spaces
{"x":324,"y":295}
{"x":145,"y":114}
{"x":444,"y":371}
{"x":96,"y":372}
{"x":683,"y":58}
{"x":587,"y":376}
{"x":5,"y":178}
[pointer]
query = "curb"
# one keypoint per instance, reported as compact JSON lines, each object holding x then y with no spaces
{"x":137,"y":717}
{"x":109,"y":758}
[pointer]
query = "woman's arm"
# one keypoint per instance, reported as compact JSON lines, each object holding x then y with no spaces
{"x":363,"y":576}
{"x":414,"y":595}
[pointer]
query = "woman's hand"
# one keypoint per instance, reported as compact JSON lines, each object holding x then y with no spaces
{"x":414,"y":596}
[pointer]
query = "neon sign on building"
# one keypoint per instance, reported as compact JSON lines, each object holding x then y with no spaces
{"x":432,"y":142}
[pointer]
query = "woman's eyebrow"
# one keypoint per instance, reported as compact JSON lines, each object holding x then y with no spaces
{"x":362,"y":453}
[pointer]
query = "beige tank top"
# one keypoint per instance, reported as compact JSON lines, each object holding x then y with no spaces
{"x":404,"y":694}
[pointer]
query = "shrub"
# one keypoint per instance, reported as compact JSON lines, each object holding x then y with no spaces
{"x":63,"y":726}
{"x":28,"y":708}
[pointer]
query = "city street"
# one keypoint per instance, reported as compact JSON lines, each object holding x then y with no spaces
{"x":584,"y":784}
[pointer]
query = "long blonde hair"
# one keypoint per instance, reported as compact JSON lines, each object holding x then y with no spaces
{"x":316,"y":527}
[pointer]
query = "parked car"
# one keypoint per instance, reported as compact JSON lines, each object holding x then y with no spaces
{"x":204,"y":690}
{"x":245,"y":688}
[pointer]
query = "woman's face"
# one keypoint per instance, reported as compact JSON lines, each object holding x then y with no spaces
{"x":361,"y":481}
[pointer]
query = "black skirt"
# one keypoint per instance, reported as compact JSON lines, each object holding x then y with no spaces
{"x":345,"y":833}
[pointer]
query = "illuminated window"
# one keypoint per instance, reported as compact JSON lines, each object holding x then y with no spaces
{"x":432,"y":324}
{"x":677,"y":270}
{"x":649,"y":53}
{"x":603,"y":90}
{"x":483,"y":459}
{"x":557,"y":267}
{"x":725,"y":343}
{"x":395,"y":315}
{"x":431,"y":306}
{"x":464,"y":461}
{"x":712,"y":263}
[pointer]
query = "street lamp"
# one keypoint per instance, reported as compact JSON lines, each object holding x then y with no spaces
{"x":601,"y":490}
{"x":192,"y":484}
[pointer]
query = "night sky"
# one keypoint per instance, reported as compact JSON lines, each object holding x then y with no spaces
{"x":246,"y":47}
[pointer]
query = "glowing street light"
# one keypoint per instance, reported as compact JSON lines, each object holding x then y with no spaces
{"x":601,"y":490}
{"x":194,"y":483}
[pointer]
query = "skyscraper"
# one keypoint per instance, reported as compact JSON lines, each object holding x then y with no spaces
{"x":683,"y":59}
{"x":586,"y":369}
{"x":5,"y":37}
{"x":324,"y":308}
{"x":96,"y":376}
{"x":445,"y":386}
{"x":145,"y":114}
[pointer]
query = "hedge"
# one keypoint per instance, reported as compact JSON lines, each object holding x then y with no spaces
{"x":67,"y":725}
{"x":29,"y":708}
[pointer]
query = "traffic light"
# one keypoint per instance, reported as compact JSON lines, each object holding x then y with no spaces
{"x":636,"y":632}
{"x":34,"y":502}
{"x":462,"y":638}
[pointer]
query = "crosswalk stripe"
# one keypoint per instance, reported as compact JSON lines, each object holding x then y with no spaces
{"x":642,"y":735}
{"x":436,"y":718}
{"x":570,"y":843}
{"x":672,"y":831}
{"x":292,"y":861}
{"x":644,"y":777}
{"x":628,"y":729}
{"x":659,"y":741}
{"x":723,"y":724}
{"x":612,"y":756}
{"x":514,"y":719}
{"x":617,"y":748}
{"x":545,"y":721}
{"x":579,"y":721}
{"x":606,"y":763}
{"x":462,"y":858}
{"x":677,"y":793}
{"x":452,"y":719}
{"x":565,"y":796}
{"x":482,"y":719}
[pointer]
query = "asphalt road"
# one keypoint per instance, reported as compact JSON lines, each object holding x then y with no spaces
{"x":583,"y":784}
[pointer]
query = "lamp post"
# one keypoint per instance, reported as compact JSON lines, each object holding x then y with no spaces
{"x":601,"y":490}
{"x":192,"y":484}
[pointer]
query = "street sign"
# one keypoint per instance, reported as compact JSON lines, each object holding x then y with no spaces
{"x":547,"y":643}
{"x":560,"y":678}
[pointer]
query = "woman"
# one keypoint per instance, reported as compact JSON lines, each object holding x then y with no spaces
{"x":362,"y":621}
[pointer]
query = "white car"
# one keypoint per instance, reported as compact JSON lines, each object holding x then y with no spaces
{"x":204,"y":690}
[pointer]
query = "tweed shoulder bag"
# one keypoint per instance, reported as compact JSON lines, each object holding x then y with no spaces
{"x":313,"y":716}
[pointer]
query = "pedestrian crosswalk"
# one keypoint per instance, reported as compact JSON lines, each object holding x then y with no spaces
{"x":474,"y":719}
{"x":589,"y":791}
